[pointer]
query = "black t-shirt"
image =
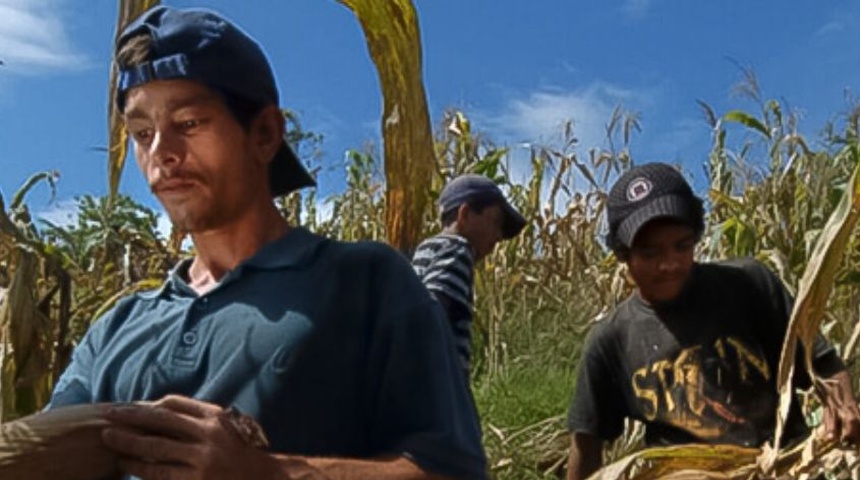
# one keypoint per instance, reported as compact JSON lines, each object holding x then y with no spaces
{"x":700,"y":370}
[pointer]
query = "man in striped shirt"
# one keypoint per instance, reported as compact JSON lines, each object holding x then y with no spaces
{"x":475,"y":217}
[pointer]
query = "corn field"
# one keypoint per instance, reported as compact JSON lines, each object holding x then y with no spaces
{"x":771,"y":193}
{"x":770,"y":196}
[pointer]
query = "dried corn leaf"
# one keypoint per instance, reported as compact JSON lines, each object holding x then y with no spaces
{"x":60,"y":444}
{"x":815,"y":287}
{"x":25,"y":383}
{"x":684,"y":461}
{"x":727,"y":462}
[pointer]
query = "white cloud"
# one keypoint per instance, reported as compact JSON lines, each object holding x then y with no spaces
{"x":841,"y":21}
{"x":33,"y":37}
{"x":831,"y":27}
{"x":636,"y":8}
{"x":544,"y":112}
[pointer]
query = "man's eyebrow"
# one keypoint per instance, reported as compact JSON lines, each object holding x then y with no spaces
{"x":201,"y":99}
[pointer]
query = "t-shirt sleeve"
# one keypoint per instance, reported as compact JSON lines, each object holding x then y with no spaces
{"x":422,"y":406}
{"x":596,"y":408}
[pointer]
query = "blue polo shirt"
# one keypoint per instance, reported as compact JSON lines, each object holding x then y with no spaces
{"x":335,"y":348}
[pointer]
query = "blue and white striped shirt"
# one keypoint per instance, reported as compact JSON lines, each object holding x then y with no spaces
{"x":445,"y":264}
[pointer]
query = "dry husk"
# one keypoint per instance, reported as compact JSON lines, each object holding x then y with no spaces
{"x":60,"y":444}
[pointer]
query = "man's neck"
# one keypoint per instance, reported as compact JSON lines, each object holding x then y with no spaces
{"x":452,"y":229}
{"x":220,"y":250}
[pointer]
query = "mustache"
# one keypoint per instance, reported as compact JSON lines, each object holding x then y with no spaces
{"x":167,"y":178}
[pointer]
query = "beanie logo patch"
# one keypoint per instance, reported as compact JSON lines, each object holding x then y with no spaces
{"x":638,"y":189}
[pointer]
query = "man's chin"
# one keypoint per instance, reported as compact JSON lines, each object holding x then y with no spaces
{"x":183,"y":221}
{"x":663,"y":296}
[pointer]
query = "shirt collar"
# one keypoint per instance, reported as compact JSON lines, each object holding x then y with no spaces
{"x":293,"y":249}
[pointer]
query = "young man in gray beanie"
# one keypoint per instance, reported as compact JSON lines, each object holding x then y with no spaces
{"x":273,"y":353}
{"x":694,"y":352}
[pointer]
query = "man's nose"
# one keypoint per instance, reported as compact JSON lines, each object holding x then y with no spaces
{"x":669,"y":263}
{"x":165,"y":149}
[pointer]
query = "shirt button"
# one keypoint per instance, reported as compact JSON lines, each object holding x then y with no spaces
{"x":189,"y":338}
{"x":202,"y":303}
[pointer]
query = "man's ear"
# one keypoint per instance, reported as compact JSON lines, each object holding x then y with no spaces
{"x":463,"y":213}
{"x":267,"y":132}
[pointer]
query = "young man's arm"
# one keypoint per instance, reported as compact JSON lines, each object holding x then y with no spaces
{"x":586,"y":456}
{"x":597,"y":409}
{"x":180,"y":438}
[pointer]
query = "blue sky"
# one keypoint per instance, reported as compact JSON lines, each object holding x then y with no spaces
{"x":518,"y":68}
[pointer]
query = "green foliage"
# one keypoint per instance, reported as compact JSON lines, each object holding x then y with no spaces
{"x":113,"y":245}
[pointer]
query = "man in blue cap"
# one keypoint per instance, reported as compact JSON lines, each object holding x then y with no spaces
{"x":273,"y":352}
{"x":475,"y":217}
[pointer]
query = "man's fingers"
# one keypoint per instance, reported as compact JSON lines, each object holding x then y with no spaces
{"x":156,"y":419}
{"x":851,"y":425}
{"x":147,"y":448}
{"x":189,"y":406}
{"x":830,"y":424}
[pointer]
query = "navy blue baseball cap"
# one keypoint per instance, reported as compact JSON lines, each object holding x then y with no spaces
{"x":648,"y":192}
{"x":203,"y":46}
{"x":471,"y":187}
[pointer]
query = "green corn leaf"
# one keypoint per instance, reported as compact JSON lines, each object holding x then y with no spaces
{"x":747,"y":120}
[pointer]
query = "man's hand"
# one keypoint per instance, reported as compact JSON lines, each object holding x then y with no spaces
{"x":179,"y":438}
{"x":841,"y":416}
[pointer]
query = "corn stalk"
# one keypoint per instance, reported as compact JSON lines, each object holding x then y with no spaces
{"x":118,"y":137}
{"x":26,"y":327}
{"x":393,"y":39}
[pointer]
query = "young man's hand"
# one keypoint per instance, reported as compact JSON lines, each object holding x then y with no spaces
{"x":841,"y":415}
{"x":179,"y":438}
